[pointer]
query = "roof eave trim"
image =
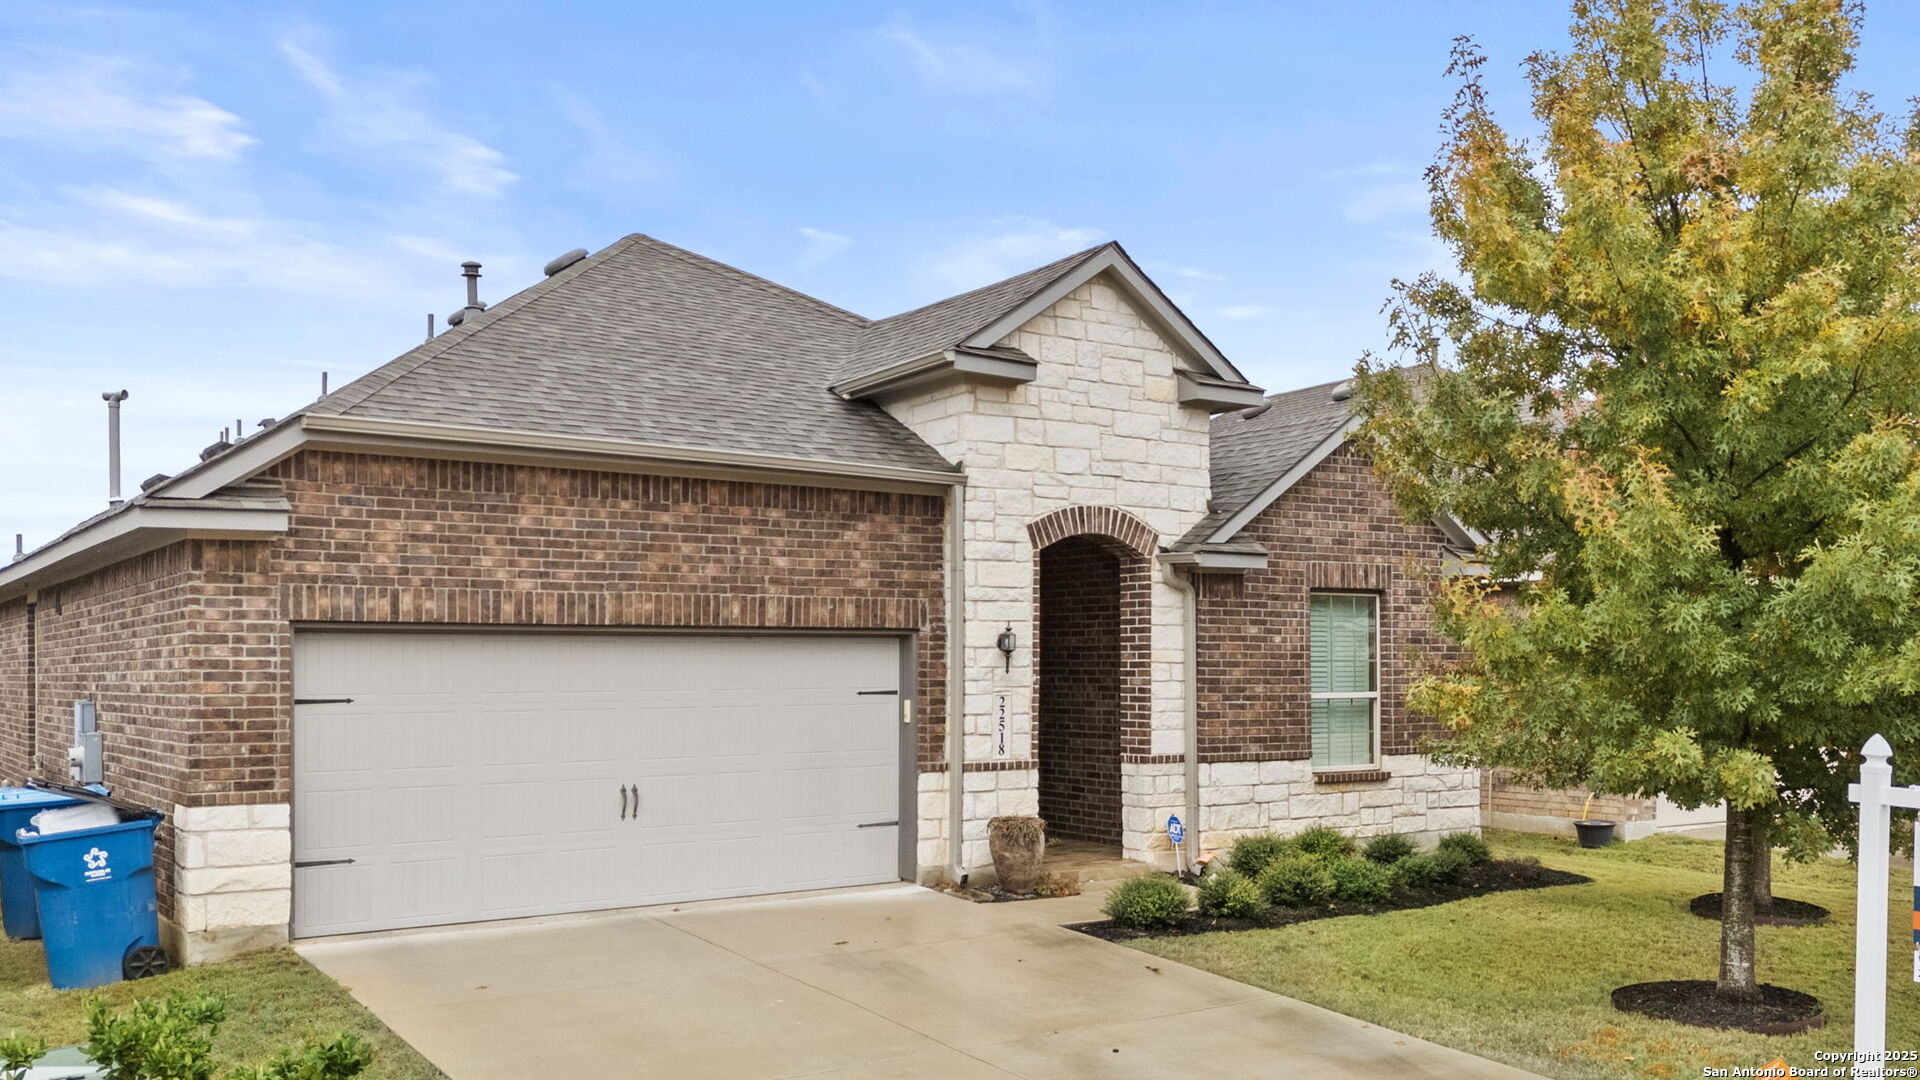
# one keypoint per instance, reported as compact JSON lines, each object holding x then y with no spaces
{"x":345,"y":430}
{"x":136,"y":531}
{"x":1231,"y":527}
{"x":1215,"y":562}
{"x":1172,"y":321}
{"x":1216,"y":396}
{"x":986,"y":367}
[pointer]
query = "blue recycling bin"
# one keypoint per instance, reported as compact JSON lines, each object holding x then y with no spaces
{"x":97,"y":911}
{"x":18,"y":914}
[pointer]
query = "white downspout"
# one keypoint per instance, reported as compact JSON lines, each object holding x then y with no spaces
{"x":956,"y":680}
{"x":1190,"y":630}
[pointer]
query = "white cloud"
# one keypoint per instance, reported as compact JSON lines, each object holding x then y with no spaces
{"x":1243,"y":311}
{"x":93,"y":102}
{"x":1201,"y":275}
{"x":1014,"y":245}
{"x":946,"y":63}
{"x":378,"y":115}
{"x":822,"y":245}
{"x":109,"y":237}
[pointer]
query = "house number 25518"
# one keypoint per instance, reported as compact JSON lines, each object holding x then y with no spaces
{"x":1000,"y":730}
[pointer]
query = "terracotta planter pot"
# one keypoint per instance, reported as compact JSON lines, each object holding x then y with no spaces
{"x":1018,"y":846}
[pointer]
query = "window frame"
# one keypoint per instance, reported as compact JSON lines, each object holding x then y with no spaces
{"x":1373,"y":738}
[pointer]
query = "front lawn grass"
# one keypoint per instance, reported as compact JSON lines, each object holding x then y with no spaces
{"x":1524,"y":977}
{"x":274,"y":999}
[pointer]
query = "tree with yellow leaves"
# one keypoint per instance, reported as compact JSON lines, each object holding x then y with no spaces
{"x":1674,"y":379}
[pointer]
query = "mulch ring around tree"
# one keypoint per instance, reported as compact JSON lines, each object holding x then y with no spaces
{"x":1500,"y":875}
{"x":1785,"y":912}
{"x":1777,"y":1011}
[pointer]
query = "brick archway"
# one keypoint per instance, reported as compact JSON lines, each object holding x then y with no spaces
{"x":1109,"y":522}
{"x":1092,"y":673}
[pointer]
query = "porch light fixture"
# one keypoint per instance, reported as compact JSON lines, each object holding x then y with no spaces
{"x":1007,"y":642}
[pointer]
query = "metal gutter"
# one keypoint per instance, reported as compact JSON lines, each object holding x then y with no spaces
{"x":136,"y":530}
{"x":355,"y":430}
{"x":990,"y":366}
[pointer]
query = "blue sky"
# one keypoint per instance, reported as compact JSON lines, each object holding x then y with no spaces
{"x":211,"y":204}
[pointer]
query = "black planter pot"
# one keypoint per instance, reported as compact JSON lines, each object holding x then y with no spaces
{"x":1594,"y":834}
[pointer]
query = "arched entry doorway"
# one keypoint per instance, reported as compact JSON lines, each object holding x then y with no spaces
{"x":1092,"y":690}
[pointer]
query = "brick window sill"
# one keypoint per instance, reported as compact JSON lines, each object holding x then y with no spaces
{"x":1351,"y":776}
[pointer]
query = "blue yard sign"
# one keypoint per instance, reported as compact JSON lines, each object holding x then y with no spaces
{"x":1176,"y":832}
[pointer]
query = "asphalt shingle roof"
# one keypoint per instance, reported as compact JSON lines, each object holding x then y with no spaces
{"x":646,"y":342}
{"x":1254,"y":447}
{"x":924,"y":331}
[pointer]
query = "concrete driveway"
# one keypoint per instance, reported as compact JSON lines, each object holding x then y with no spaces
{"x":890,"y":982}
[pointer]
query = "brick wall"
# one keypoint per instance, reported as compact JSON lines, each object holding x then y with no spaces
{"x":1336,"y":529}
{"x":127,"y":637}
{"x":1079,"y":657}
{"x":15,"y":691}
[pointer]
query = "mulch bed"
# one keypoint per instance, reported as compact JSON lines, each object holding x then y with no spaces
{"x":1777,"y":1011}
{"x":1785,"y":912}
{"x":1501,"y":875}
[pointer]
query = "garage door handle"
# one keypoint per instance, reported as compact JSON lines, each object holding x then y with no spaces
{"x":877,"y":824}
{"x":320,"y":862}
{"x":623,"y":802}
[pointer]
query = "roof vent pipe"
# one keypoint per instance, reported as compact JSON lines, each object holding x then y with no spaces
{"x":113,"y":398}
{"x":19,"y":546}
{"x":471,"y":271}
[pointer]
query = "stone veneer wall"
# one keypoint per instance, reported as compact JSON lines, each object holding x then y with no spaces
{"x":1099,"y":426}
{"x":1509,"y":805}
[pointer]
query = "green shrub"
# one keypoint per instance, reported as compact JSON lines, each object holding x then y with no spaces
{"x":18,"y":1052}
{"x":1323,"y":842}
{"x":1296,"y":880}
{"x":1415,"y":872}
{"x":171,"y":1038}
{"x":1389,"y":849}
{"x":1230,"y":894}
{"x":1360,"y":881}
{"x":1450,"y":865}
{"x":1147,"y":902}
{"x":1251,"y":854}
{"x":1474,"y":849}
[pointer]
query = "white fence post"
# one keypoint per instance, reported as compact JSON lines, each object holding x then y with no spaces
{"x":1870,"y":915}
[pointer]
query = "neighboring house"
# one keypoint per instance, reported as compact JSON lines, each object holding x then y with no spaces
{"x":1505,"y":804}
{"x":658,"y":582}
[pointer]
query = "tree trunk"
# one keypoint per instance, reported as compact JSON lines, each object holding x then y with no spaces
{"x":1762,"y":863}
{"x":1737,"y":976}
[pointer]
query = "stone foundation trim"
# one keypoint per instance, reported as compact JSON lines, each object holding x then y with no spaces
{"x":997,"y":765}
{"x":233,"y":880}
{"x":1152,"y":759}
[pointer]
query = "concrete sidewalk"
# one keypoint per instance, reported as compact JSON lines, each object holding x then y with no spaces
{"x":885,"y":982}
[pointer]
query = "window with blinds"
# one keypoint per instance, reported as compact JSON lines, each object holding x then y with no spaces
{"x":1345,"y":680}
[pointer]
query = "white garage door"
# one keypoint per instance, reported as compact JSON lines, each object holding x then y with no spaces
{"x":442,"y":778}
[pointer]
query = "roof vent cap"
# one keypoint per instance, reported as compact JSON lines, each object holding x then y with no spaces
{"x":215,"y":450}
{"x":154,"y":481}
{"x":1343,"y":391}
{"x":457,"y":318}
{"x":561,"y":262}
